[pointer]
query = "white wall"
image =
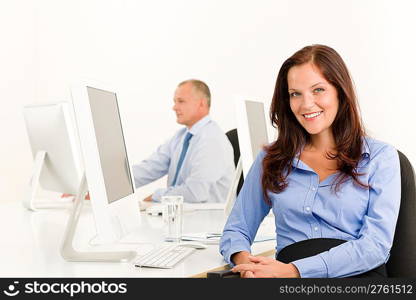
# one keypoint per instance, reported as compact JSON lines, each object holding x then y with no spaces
{"x":146,"y":47}
{"x":17,"y":87}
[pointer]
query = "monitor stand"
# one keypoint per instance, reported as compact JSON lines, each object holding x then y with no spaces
{"x":67,"y":250}
{"x":232,"y":192}
{"x":31,"y":199}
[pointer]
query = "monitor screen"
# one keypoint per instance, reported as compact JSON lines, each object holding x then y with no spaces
{"x":111,"y":145}
{"x":257,"y":126}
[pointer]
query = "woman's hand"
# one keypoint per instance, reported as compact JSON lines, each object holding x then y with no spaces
{"x":266,"y":267}
{"x":243,"y":258}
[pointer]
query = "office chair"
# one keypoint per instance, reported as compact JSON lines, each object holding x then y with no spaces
{"x":233,"y":138}
{"x":402,"y":261}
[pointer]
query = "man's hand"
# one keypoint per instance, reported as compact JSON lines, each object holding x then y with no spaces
{"x":148,"y":198}
{"x":266,"y":267}
{"x":87,"y":197}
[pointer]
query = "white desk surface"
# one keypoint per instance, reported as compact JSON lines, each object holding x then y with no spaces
{"x":30,"y":243}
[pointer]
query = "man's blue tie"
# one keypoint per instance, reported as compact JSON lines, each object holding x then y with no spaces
{"x":182,"y":157}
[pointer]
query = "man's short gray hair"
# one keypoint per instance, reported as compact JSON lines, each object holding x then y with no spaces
{"x":200,"y":87}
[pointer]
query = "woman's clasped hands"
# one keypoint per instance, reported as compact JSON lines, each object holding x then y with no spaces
{"x":266,"y":267}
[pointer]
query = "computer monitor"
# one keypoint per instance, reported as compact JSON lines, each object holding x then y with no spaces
{"x":107,"y":168}
{"x":252,"y":136}
{"x":60,"y":159}
{"x":57,"y":157}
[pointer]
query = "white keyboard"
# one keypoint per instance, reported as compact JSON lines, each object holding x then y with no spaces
{"x":157,"y":209}
{"x":164,"y":257}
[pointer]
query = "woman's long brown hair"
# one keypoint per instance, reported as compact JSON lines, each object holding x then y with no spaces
{"x":347,"y":127}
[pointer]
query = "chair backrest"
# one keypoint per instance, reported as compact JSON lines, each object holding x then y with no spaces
{"x":402,"y":261}
{"x":233,"y":137}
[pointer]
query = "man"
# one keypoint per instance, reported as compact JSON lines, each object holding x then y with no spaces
{"x":198,"y":159}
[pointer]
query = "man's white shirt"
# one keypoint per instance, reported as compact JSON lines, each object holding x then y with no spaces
{"x":206,"y":172}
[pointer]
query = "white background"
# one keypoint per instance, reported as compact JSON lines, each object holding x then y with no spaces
{"x":145,"y":48}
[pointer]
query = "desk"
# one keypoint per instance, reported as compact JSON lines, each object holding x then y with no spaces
{"x":30,"y":244}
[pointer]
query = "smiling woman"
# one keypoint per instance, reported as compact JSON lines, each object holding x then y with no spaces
{"x":313,"y":100}
{"x":330,"y":186}
{"x":315,"y":109}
